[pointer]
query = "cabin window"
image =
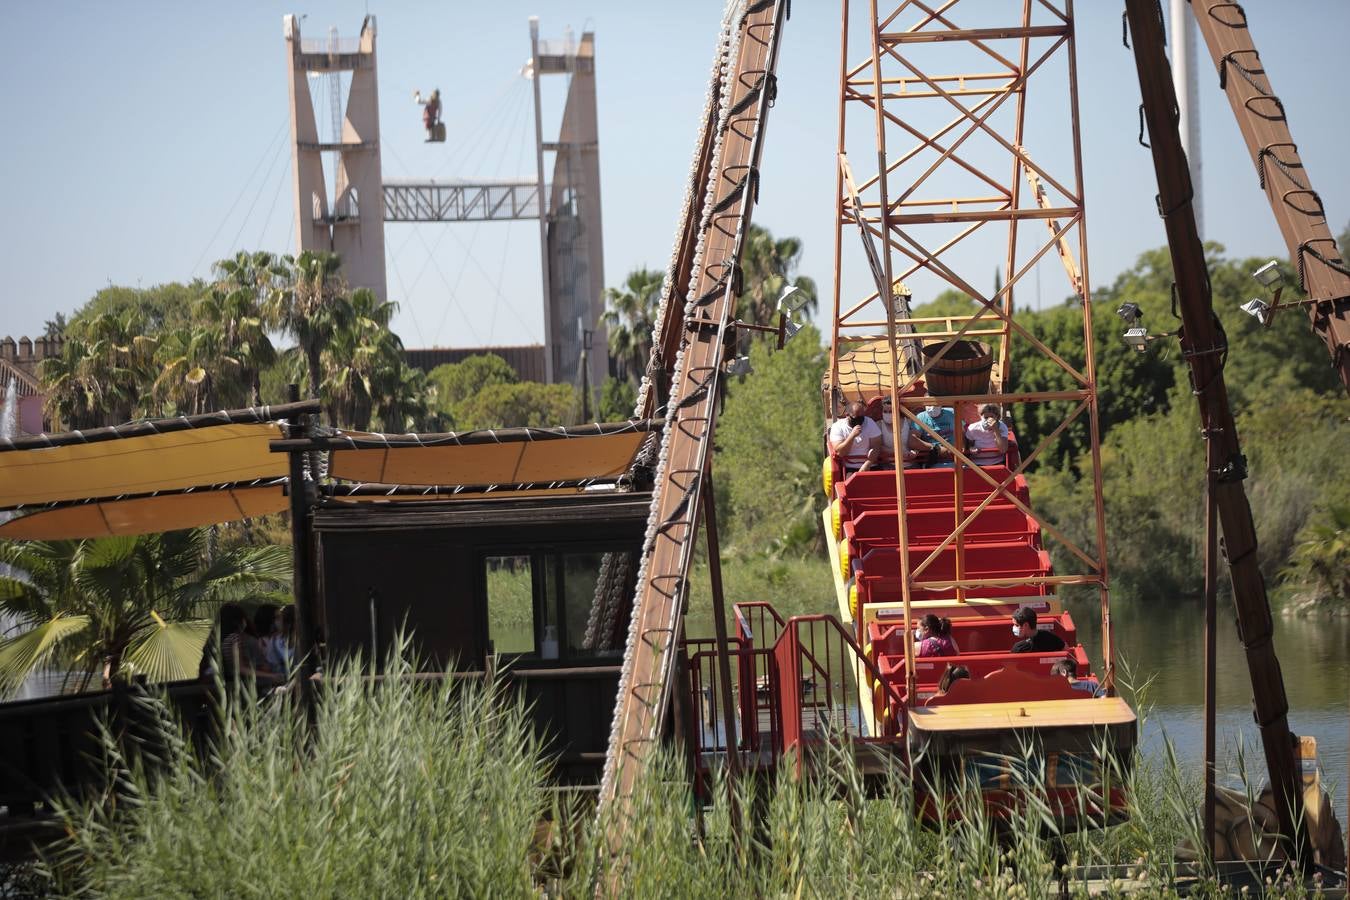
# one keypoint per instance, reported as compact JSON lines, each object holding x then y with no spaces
{"x":560,"y":604}
{"x":589,"y":612}
{"x":511,"y":604}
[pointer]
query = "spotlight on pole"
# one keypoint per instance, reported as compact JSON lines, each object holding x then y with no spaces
{"x":1130,"y":314}
{"x":1258,"y":309}
{"x":792,"y":299}
{"x":1137,"y":338}
{"x":1270,"y":275}
{"x":790,"y":330}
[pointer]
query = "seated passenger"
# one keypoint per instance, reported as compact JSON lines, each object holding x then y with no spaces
{"x":933,"y":637}
{"x":1031,"y":639}
{"x":916,"y":448}
{"x":855,"y":440}
{"x":987,"y":439}
{"x":1069,"y":669}
{"x":941,"y":419}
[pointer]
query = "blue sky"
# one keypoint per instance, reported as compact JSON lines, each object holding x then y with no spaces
{"x":145,"y":140}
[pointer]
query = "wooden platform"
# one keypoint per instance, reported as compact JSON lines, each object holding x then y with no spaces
{"x":967,"y":717}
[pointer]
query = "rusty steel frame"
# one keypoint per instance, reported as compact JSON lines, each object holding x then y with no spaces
{"x":1281,"y":174}
{"x":711,"y":240}
{"x":894,"y":211}
{"x":1205,"y":348}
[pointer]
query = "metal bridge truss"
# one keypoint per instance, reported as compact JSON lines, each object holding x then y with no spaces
{"x":964,"y":112}
{"x":432,"y":201}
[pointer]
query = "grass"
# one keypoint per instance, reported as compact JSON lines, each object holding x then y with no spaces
{"x":412,"y":789}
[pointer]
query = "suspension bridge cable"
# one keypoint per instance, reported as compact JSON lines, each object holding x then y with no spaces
{"x":239,"y":196}
{"x":417,"y":326}
{"x":489,"y":145}
{"x":506,"y":253}
{"x":511,"y":135}
{"x":267,"y":220}
{"x":256,"y":197}
{"x":488,"y":135}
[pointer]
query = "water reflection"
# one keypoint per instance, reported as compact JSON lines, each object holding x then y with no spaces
{"x":1164,"y":640}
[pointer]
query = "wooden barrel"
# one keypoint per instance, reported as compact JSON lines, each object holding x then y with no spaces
{"x":963,"y":369}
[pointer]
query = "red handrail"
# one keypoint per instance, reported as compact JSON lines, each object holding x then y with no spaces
{"x":828,"y":650}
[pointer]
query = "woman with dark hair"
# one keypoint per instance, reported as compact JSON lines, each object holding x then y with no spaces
{"x":265,"y":634}
{"x":933,"y":637}
{"x":281,"y":651}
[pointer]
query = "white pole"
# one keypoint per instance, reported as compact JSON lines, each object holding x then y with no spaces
{"x":1188,"y":100}
{"x":536,"y":75}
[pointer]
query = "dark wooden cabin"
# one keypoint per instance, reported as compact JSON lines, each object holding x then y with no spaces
{"x":537,"y":587}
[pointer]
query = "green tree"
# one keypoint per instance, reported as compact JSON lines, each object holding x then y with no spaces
{"x":155,"y":308}
{"x":454,"y":384}
{"x":361,"y":363}
{"x":770,"y":444}
{"x":769,"y":265}
{"x":517,"y":404}
{"x":629,"y":317}
{"x":617,"y":400}
{"x":198,"y":374}
{"x":237,"y":305}
{"x":950,"y":302}
{"x":308,"y":306}
{"x":1320,"y":565}
{"x":103,"y":374}
{"x":115,"y":605}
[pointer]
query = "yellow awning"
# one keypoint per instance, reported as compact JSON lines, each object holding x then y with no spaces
{"x":144,"y":515}
{"x":519,"y":462}
{"x":219,"y":454}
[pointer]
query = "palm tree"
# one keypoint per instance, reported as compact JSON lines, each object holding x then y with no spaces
{"x":307,"y":306}
{"x":103,"y":374}
{"x":629,"y":317}
{"x":119,"y":605}
{"x":237,"y":303}
{"x":198,"y":374}
{"x":361,"y":361}
{"x":768,"y":266}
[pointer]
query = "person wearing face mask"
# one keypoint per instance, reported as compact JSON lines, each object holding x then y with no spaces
{"x":933,"y":637}
{"x":987,"y":439}
{"x":909,"y":439}
{"x":1031,"y":639}
{"x":941,"y":419}
{"x":855,"y":440}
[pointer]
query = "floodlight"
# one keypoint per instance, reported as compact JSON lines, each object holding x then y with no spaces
{"x":1130,"y":314}
{"x":792,"y":299}
{"x":1258,"y":309}
{"x":1137,"y":338}
{"x":740,"y":365}
{"x":790,"y":328}
{"x":1269,"y":275}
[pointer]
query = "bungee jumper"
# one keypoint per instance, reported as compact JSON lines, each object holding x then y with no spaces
{"x":431,"y":115}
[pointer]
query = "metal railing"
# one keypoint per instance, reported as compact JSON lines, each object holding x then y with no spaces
{"x":820,"y":669}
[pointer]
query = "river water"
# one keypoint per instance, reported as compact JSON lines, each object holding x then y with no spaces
{"x":1164,"y":640}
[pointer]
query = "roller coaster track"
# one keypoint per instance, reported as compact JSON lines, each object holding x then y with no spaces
{"x":723,"y":188}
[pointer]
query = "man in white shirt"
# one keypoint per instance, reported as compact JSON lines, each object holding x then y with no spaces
{"x":855,"y":440}
{"x":987,"y":439}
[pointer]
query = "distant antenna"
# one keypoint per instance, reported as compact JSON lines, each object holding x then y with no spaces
{"x":1188,"y":99}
